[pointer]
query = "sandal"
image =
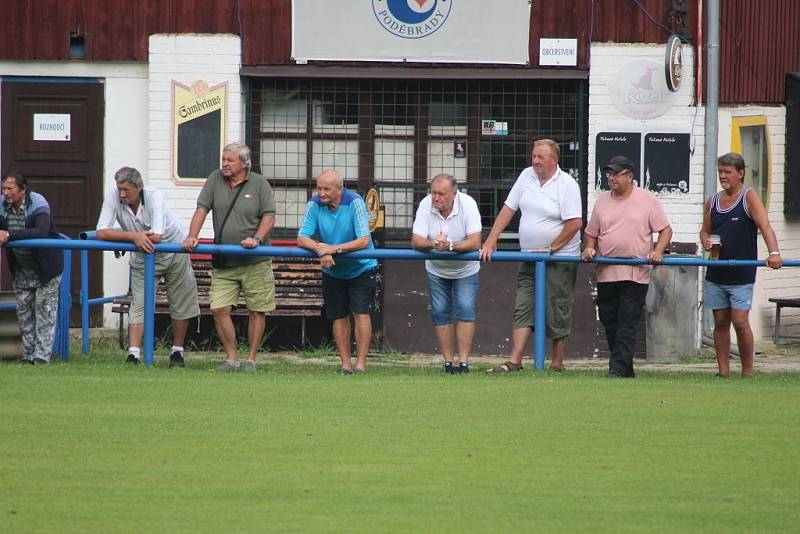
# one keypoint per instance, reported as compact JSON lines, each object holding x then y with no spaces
{"x":345,"y":371}
{"x":505,"y":367}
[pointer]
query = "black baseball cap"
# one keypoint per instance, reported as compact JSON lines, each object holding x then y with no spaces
{"x":620,"y":163}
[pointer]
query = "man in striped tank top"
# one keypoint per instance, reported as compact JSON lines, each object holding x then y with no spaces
{"x":735,"y":214}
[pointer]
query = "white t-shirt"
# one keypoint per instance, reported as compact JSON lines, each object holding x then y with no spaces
{"x":465,"y":219}
{"x":544,"y":210}
{"x":152,"y":216}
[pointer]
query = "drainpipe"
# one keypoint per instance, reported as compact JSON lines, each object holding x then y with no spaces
{"x":712,"y":100}
{"x":711,"y":131}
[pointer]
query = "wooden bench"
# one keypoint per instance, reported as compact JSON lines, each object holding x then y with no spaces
{"x":298,"y":292}
{"x":780,"y":304}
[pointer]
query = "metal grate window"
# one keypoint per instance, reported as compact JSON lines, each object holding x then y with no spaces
{"x":396,"y":135}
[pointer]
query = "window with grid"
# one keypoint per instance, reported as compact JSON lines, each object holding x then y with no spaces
{"x":396,"y":135}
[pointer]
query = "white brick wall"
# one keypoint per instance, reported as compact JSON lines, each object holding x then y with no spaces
{"x":685,"y":211}
{"x":186,"y":58}
{"x":606,"y":60}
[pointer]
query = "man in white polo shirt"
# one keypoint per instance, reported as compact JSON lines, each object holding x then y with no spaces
{"x":145,"y":220}
{"x":550,"y":201}
{"x":449,"y":221}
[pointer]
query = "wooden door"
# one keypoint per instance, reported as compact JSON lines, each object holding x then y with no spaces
{"x":68,"y":171}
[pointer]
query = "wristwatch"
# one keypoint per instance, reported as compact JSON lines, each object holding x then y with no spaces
{"x":450,"y":246}
{"x":338,"y":250}
{"x":255,"y":237}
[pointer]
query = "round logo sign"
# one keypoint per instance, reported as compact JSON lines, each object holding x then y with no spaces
{"x":411,"y":19}
{"x":639,"y":90}
{"x":673,"y":63}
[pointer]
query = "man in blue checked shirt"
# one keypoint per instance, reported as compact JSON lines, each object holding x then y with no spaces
{"x":336,"y":223}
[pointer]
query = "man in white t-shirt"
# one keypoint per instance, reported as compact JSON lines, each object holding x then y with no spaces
{"x":145,"y":220}
{"x":550,"y":202}
{"x":449,"y":221}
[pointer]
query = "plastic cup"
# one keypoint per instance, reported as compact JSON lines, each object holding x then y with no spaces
{"x":716,"y":246}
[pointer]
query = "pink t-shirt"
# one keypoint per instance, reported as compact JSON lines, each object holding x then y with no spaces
{"x":624,"y":229}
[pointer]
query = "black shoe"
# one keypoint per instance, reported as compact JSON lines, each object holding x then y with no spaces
{"x":462,"y":368}
{"x":132,"y":359}
{"x":176,"y":359}
{"x":448,"y":368}
{"x":26,"y":361}
{"x":40,"y":361}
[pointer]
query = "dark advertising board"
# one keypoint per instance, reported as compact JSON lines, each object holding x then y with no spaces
{"x":666,"y":162}
{"x":610,"y":144}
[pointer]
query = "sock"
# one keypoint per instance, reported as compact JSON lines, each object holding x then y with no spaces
{"x":176,"y":348}
{"x":136,"y":351}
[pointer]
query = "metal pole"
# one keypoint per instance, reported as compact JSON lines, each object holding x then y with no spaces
{"x":85,"y":301}
{"x":712,"y":101}
{"x":711,"y":122}
{"x":64,"y":305}
{"x":540,"y":291}
{"x":149,"y":306}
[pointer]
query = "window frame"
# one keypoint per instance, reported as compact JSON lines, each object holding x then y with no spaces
{"x":745,"y":121}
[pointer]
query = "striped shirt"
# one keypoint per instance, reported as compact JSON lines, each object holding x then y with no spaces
{"x":16,"y":222}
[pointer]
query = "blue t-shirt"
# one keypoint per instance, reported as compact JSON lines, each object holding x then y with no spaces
{"x":347,"y":222}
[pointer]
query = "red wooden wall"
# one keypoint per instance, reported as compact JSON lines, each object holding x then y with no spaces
{"x":759,"y":43}
{"x":760,"y":39}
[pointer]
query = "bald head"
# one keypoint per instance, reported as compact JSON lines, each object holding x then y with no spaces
{"x":329,"y":188}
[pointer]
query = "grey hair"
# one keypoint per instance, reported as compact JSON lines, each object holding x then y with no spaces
{"x":448,"y":178}
{"x":243,"y":150}
{"x":130,"y":175}
{"x":554,"y":148}
{"x":337,"y":175}
{"x":731,"y":159}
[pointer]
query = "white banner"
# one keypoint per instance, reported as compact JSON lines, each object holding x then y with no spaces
{"x":439,"y":31}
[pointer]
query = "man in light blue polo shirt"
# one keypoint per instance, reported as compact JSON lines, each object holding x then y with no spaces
{"x":335,"y":223}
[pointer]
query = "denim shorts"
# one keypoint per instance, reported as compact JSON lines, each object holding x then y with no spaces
{"x":446,"y":291}
{"x":723,"y":296}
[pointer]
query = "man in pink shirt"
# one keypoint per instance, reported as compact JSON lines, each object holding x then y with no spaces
{"x":622,"y":225}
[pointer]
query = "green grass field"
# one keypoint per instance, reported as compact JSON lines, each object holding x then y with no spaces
{"x":101,"y":447}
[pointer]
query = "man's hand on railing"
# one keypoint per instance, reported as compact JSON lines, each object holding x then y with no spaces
{"x":327,"y":261}
{"x":655,"y":257}
{"x":142,"y":242}
{"x":774,"y":260}
{"x":588,"y":254}
{"x":324,"y":249}
{"x":189,"y":244}
{"x":485,"y":252}
{"x":250,"y":242}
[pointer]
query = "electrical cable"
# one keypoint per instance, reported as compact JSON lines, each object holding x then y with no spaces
{"x":651,"y":17}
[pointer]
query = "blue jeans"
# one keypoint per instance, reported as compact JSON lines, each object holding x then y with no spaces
{"x":445,"y":291}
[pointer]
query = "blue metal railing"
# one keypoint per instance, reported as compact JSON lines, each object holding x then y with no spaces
{"x":86,"y":302}
{"x":541,"y":260}
{"x":61,"y":334}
